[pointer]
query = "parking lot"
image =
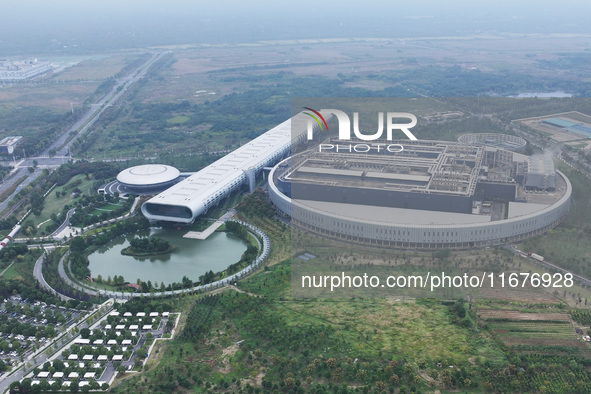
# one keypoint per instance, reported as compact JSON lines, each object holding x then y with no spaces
{"x":26,"y":325}
{"x":117,"y":343}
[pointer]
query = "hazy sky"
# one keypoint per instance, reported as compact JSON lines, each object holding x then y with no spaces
{"x":30,"y":26}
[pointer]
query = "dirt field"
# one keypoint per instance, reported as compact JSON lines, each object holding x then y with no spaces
{"x":543,"y":342}
{"x":223,"y":69}
{"x":516,"y":315}
{"x":95,"y":69}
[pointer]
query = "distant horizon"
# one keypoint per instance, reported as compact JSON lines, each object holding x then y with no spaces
{"x":69,"y":27}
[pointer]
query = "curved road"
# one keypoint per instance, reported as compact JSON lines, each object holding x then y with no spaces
{"x":549,"y":266}
{"x":38,"y":273}
{"x":65,"y":224}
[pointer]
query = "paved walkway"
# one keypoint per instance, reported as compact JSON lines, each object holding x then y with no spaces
{"x":264,"y":250}
{"x":38,"y":273}
{"x":211,"y":229}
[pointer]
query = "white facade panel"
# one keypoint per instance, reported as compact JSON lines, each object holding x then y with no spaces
{"x":193,"y":196}
{"x":422,"y":236}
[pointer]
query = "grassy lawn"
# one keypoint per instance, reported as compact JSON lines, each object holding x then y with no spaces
{"x":55,"y":205}
{"x":177,"y":120}
{"x":105,"y":208}
{"x":23,"y":269}
{"x":12,"y":273}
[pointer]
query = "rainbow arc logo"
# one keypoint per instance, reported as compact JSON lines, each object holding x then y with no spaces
{"x":316,"y":118}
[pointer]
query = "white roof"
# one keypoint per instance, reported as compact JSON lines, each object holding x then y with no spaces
{"x":148,"y":174}
{"x":83,"y":383}
{"x":165,"y":314}
{"x":134,"y":327}
{"x":108,"y":327}
{"x":118,"y":357}
{"x":127,"y":314}
{"x":202,"y":190}
{"x":111,"y":342}
{"x":114,"y":313}
{"x":43,"y":374}
{"x":141,"y":314}
{"x":66,"y":383}
{"x":82,"y":341}
{"x":98,"y":342}
{"x":120,"y":327}
{"x":73,"y":374}
{"x":89,"y":375}
{"x":102,"y":357}
{"x":147,"y":327}
{"x":87,"y":357}
{"x":153,"y":314}
{"x":35,"y":382}
{"x":73,"y":357}
{"x":58,"y":375}
{"x":126,"y":342}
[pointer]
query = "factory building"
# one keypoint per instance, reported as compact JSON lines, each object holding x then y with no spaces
{"x":434,"y":194}
{"x":8,"y":144}
{"x":22,"y":70}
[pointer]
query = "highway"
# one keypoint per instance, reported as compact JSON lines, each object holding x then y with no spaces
{"x":63,"y":143}
{"x":87,"y":120}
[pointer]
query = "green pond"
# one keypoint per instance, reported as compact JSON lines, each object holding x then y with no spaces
{"x":191,"y":257}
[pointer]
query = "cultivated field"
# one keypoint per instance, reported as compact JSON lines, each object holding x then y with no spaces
{"x":538,"y":332}
{"x":96,"y":69}
{"x":495,"y":314}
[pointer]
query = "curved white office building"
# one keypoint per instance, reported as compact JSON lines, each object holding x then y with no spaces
{"x":188,"y":199}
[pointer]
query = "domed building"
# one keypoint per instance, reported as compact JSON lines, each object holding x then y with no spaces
{"x":148,"y":178}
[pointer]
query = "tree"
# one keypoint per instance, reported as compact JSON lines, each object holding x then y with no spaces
{"x":85,"y":333}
